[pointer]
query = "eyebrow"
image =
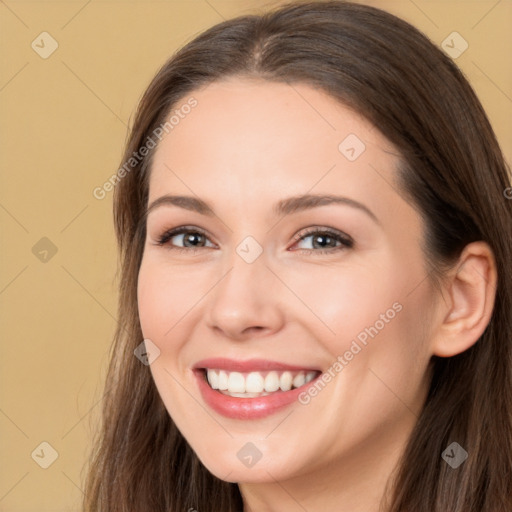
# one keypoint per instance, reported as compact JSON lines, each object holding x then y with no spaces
{"x":281,"y":208}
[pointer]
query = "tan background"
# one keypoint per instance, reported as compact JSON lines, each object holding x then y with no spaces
{"x":63,"y":123}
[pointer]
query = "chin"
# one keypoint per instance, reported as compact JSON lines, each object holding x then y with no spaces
{"x":233,"y":470}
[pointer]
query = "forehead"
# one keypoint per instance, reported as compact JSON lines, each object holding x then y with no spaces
{"x":254,"y":138}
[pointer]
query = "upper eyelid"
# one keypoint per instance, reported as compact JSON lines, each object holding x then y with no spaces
{"x":172,"y":232}
{"x":308,"y":231}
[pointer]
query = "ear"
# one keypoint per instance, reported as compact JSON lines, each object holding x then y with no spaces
{"x":469,"y":293}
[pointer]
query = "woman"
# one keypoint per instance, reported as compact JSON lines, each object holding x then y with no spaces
{"x":315,"y":239}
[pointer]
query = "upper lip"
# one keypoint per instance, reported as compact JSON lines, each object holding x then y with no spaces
{"x":248,"y":365}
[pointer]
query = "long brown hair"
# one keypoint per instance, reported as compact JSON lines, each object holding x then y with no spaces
{"x":451,"y":168}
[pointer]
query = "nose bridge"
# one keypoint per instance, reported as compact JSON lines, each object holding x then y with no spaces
{"x":241,"y":300}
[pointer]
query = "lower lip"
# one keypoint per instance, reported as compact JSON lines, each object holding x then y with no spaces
{"x":247,"y":408}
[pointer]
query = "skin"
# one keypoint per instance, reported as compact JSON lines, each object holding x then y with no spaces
{"x":245,"y":146}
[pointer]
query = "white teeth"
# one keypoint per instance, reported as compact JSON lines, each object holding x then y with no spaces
{"x":272,"y":381}
{"x":244,"y":395}
{"x":223,"y":380}
{"x":299,"y":380}
{"x":254,"y":383}
{"x":236,"y":383}
{"x":285,"y":382}
{"x":310,"y":376}
{"x":250,"y":385}
{"x":213,"y":379}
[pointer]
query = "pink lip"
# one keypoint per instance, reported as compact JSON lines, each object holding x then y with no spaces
{"x":246,"y":408}
{"x":250,"y":365}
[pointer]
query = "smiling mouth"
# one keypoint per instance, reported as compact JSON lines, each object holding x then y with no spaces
{"x":256,"y":384}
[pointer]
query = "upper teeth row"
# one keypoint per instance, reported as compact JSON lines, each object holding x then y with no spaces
{"x":255,"y":382}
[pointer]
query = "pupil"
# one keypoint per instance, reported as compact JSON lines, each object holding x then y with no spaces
{"x":192,"y":238}
{"x":319,"y":238}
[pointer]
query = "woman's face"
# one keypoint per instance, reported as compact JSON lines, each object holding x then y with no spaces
{"x":270,"y":287}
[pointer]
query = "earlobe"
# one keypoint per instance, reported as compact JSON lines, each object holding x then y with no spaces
{"x":471,"y":291}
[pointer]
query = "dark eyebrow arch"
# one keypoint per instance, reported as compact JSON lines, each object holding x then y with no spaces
{"x":187,"y":202}
{"x":307,"y":201}
{"x":282,"y":208}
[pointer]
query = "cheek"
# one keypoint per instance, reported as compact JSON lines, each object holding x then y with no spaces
{"x":348,"y":298}
{"x":372,"y":315}
{"x":152,"y":302}
{"x":165,"y":295}
{"x":158,"y":305}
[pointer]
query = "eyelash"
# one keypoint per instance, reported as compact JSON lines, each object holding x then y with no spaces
{"x":345,"y":241}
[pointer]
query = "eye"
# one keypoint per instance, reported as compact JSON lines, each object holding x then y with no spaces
{"x":323,"y":240}
{"x":190,"y":237}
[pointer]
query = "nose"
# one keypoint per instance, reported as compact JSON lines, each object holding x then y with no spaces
{"x":246,"y":302}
